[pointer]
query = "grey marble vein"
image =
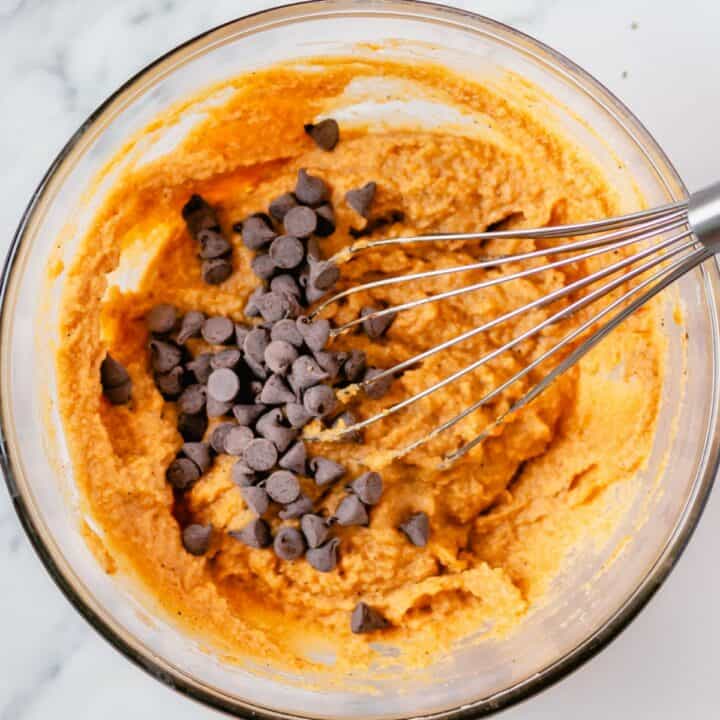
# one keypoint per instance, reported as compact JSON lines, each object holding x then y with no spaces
{"x":11,"y":8}
{"x":66,"y":638}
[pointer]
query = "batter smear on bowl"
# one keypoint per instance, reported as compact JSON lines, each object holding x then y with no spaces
{"x":186,"y":397}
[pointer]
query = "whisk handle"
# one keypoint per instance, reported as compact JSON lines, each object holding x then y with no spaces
{"x":704,"y":216}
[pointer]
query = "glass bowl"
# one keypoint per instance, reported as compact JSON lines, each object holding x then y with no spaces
{"x":599,"y":591}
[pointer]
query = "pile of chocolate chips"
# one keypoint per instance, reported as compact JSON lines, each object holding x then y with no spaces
{"x":272,"y":378}
{"x":215,"y":250}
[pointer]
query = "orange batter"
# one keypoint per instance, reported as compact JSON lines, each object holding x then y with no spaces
{"x":503,"y":518}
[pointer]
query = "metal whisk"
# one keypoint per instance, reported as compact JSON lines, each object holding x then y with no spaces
{"x":671,"y":240}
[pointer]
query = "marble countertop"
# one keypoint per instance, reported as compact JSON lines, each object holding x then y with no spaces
{"x":60,"y":58}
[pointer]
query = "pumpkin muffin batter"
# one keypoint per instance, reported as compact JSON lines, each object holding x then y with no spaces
{"x":504,"y":517}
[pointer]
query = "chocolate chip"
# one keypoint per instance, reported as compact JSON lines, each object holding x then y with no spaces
{"x":417,"y":529}
{"x":315,"y":530}
{"x":281,"y":205}
{"x":256,"y":499}
{"x":226,"y":359}
{"x":286,"y":285}
{"x":330,"y":363}
{"x":276,"y":392}
{"x":269,"y":419}
{"x":190,"y":326}
{"x":310,"y":189}
{"x":306,"y":372}
{"x":260,"y":372}
{"x":300,"y":222}
{"x":297,"y":415}
{"x":275,"y":306}
{"x":216,"y":408}
{"x":325,"y":557}
{"x":297,"y":508}
{"x":313,"y":294}
{"x":255,"y":343}
{"x":182,"y":473}
{"x":378,"y":388}
{"x":361,"y":198}
{"x":112,"y":373}
{"x":314,"y":333}
{"x":323,"y":275}
{"x":165,"y":356}
{"x":256,"y":233}
{"x":196,"y":538}
{"x":279,"y":356}
{"x":346,"y":420}
{"x":263,"y":266}
{"x":213,"y":244}
{"x":256,"y":534}
{"x":325,"y":220}
{"x":199,"y":215}
{"x":218,"y":330}
{"x":242,"y":475}
{"x":270,"y":426}
{"x":119,"y":395}
{"x":320,"y":400}
{"x":260,"y":455}
{"x":247,"y":414}
{"x":199,"y":453}
{"x":241,"y":332}
{"x":325,"y":471}
{"x":192,"y":427}
{"x":325,"y":134}
{"x":237,"y":439}
{"x":368,"y":487}
{"x":283,"y":487}
{"x":217,"y":271}
{"x":351,"y":511}
{"x":354,"y":367}
{"x":365,"y":619}
{"x":287,"y":251}
{"x":376,"y":327}
{"x":223,"y":385}
{"x":200,"y":367}
{"x":192,"y":400}
{"x":218,"y":435}
{"x":289,"y":543}
{"x":286,"y":330}
{"x":240,"y":224}
{"x":170,"y":384}
{"x":161,"y":319}
{"x":251,"y":307}
{"x":294,"y":459}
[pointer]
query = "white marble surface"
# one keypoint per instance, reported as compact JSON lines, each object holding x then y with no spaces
{"x":60,"y":58}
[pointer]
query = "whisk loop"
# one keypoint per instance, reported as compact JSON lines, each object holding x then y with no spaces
{"x":671,"y":240}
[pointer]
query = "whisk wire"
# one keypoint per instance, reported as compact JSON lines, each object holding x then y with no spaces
{"x":664,"y":277}
{"x":558,"y":294}
{"x":570,"y":337}
{"x":603,"y":248}
{"x":670,"y":241}
{"x":587,"y":228}
{"x":561,"y":314}
{"x":641,"y":231}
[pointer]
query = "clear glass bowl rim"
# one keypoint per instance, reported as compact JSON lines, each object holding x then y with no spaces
{"x":293,"y":13}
